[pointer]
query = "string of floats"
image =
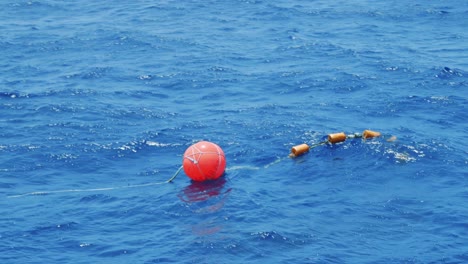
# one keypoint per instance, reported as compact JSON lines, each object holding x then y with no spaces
{"x":333,"y":139}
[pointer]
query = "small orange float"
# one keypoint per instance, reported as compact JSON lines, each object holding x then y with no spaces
{"x":370,"y":134}
{"x":299,"y":150}
{"x":336,"y":137}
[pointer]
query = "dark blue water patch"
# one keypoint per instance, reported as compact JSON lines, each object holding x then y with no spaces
{"x":147,"y":95}
{"x":47,"y":229}
{"x":115,"y":253}
{"x":24,"y":76}
{"x":101,"y":198}
{"x":94,"y":73}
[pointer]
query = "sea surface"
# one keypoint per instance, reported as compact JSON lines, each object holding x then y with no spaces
{"x":100,"y":99}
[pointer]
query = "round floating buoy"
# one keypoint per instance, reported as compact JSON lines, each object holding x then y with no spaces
{"x":204,"y":161}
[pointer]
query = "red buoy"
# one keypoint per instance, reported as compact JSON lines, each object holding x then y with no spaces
{"x":204,"y":161}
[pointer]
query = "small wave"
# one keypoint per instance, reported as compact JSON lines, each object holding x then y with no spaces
{"x":449,"y":73}
{"x":12,"y":95}
{"x":39,"y":230}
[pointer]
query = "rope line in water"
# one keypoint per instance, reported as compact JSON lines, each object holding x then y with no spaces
{"x":98,"y":189}
{"x":128,"y":186}
{"x":295,"y":152}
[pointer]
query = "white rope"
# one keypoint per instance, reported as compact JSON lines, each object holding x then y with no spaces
{"x":97,"y":189}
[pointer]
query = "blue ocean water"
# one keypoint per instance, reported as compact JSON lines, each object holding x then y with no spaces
{"x":99,"y":100}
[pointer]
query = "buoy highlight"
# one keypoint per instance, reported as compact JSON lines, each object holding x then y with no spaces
{"x":204,"y":161}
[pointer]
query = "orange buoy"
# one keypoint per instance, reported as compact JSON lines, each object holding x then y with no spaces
{"x":370,"y":134}
{"x":204,"y":161}
{"x":299,"y":150}
{"x":336,"y":138}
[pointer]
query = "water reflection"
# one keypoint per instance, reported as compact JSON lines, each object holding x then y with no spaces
{"x":206,"y":196}
{"x":206,"y":199}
